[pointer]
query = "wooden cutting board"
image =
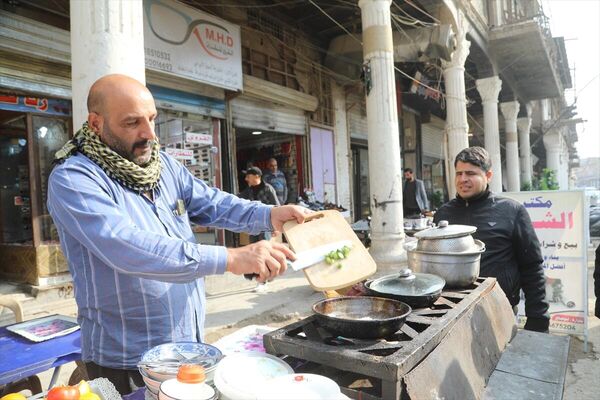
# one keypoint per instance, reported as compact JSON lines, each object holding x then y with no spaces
{"x":328,"y":227}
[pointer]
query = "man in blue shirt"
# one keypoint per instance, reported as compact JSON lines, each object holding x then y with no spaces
{"x":122,"y":210}
{"x":276,"y":178}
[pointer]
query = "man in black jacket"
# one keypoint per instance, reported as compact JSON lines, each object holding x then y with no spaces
{"x":513,"y":254}
{"x":597,"y":282}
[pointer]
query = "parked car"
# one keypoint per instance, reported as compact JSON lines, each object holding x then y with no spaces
{"x":595,"y":220}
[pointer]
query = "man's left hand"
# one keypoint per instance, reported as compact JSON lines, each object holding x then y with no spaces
{"x":282,"y":214}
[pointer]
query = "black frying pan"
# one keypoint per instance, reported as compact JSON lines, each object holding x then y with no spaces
{"x":361,"y":317}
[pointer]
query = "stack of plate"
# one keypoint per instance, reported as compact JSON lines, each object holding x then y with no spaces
{"x":162,"y":362}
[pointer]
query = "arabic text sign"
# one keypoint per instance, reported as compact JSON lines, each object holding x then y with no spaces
{"x":559,"y":220}
{"x":198,"y":138}
{"x":180,"y":154}
{"x":35,"y":104}
{"x":183,"y":41}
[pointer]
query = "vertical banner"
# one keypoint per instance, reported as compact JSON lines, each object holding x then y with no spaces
{"x":560,"y":220}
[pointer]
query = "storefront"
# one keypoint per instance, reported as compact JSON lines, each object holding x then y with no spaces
{"x":356,"y":112}
{"x":32,"y":129}
{"x":189,"y":129}
{"x":433,"y":161}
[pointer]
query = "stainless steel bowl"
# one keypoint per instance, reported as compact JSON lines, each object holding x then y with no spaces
{"x":447,"y":245}
{"x":458,"y":269}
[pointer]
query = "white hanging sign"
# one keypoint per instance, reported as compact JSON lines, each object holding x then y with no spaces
{"x":180,"y":154}
{"x":198,"y":138}
{"x":560,"y":222}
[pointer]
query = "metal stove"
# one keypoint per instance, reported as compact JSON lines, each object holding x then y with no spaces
{"x":373,"y":369}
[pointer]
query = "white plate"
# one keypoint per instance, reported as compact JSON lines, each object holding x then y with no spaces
{"x":301,"y":387}
{"x":240,"y":376}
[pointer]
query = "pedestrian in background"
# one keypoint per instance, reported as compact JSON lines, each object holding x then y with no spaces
{"x":414,"y":198}
{"x":276,"y":178}
{"x":597,"y":282}
{"x":258,"y":190}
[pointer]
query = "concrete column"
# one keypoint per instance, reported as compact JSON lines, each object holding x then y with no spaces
{"x":524,"y":126}
{"x":342,"y":146}
{"x":488,"y":89}
{"x":457,"y":126}
{"x":510,"y":110}
{"x":563,"y":176}
{"x":385,"y":174}
{"x":553,"y":144}
{"x":107,"y":37}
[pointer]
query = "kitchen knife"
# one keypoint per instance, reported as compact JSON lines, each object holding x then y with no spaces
{"x":311,"y":257}
{"x":315,"y":255}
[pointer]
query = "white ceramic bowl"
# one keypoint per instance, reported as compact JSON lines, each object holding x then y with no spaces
{"x":300,"y":387}
{"x":240,"y":376}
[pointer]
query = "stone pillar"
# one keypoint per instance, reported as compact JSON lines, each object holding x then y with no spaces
{"x":342,"y":146}
{"x":488,"y":89}
{"x":524,"y":126}
{"x":457,"y":126}
{"x":553,"y":145}
{"x":107,"y":37}
{"x":385,"y":173}
{"x":510,"y":110}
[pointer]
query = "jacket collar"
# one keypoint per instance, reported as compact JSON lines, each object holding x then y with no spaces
{"x":476,"y":199}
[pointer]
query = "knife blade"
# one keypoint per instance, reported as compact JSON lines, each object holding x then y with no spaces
{"x":315,"y":255}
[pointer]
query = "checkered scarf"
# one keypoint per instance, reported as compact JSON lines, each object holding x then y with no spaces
{"x":125,"y":172}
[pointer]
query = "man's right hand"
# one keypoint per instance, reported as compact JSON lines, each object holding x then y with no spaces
{"x":266,"y":259}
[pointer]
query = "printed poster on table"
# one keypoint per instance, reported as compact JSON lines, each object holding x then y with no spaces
{"x":187,"y":42}
{"x":560,"y":222}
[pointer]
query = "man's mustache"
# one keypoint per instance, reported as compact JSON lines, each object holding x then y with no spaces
{"x":144,"y":143}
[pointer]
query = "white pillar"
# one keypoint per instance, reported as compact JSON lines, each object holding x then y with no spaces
{"x":510,"y":110}
{"x":457,"y":126}
{"x":524,"y":126}
{"x":342,"y":146}
{"x":553,"y":145}
{"x":563,"y":179}
{"x":385,"y":174}
{"x":488,"y":89}
{"x":107,"y":37}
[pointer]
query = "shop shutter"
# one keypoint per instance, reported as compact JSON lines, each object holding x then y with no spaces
{"x":357,"y":116}
{"x":432,"y":138}
{"x":256,"y":114}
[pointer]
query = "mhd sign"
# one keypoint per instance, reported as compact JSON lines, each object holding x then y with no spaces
{"x":186,"y":42}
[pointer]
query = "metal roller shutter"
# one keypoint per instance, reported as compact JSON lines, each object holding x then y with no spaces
{"x":257,"y":114}
{"x":432,"y":138}
{"x":357,"y":116}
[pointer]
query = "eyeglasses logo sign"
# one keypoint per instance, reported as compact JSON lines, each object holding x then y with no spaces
{"x":175,"y":27}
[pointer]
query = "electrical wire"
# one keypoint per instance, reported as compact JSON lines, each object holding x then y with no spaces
{"x":278,"y":4}
{"x":410,"y":3}
{"x":335,"y":22}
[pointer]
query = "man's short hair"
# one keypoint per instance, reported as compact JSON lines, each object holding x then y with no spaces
{"x":253,"y":171}
{"x":408,"y":170}
{"x":475,"y":155}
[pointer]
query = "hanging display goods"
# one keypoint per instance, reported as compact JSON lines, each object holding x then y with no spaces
{"x":560,"y":222}
{"x":186,"y":42}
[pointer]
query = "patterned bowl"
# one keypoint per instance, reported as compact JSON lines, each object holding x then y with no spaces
{"x":179,"y":353}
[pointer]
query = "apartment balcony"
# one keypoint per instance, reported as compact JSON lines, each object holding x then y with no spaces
{"x":527,"y":54}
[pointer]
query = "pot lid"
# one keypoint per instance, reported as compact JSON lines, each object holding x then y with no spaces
{"x":408,"y":283}
{"x":445,"y":231}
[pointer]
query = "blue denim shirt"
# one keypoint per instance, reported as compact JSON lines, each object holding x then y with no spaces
{"x":137,"y":269}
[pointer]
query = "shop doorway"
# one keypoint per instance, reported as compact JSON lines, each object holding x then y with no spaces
{"x":322,"y":157}
{"x":360,"y":178}
{"x":254,"y":147}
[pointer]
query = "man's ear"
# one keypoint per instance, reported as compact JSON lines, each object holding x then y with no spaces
{"x":489,"y":175}
{"x":95,"y":122}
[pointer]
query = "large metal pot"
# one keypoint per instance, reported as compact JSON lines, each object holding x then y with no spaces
{"x":415,"y":289}
{"x":448,"y":251}
{"x":361,"y":317}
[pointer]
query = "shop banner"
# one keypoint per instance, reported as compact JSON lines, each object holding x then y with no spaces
{"x":186,"y":42}
{"x":180,"y":154}
{"x":41,"y":105}
{"x":560,"y":220}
